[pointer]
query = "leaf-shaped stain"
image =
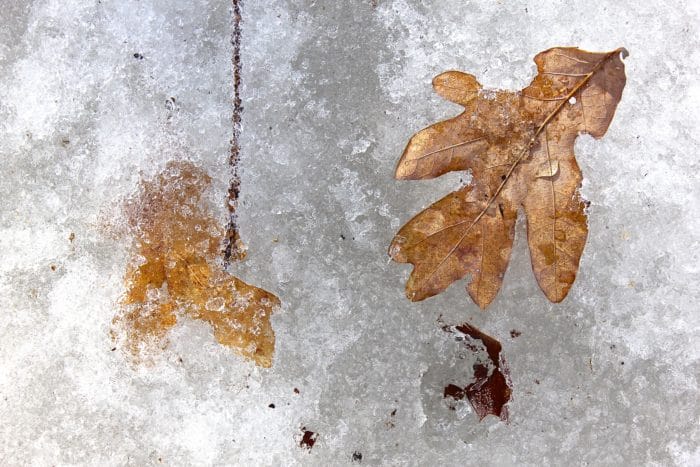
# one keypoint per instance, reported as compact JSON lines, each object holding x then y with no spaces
{"x":176,"y":272}
{"x":519,"y":147}
{"x":491,"y":389}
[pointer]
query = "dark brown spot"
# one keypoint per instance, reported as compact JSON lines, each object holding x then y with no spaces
{"x":514,"y":333}
{"x":308,"y":439}
{"x":454,"y":391}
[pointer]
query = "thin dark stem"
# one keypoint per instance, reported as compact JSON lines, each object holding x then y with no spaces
{"x":232,"y":249}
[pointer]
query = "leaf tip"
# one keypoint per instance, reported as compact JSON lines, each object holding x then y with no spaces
{"x":456,"y":86}
{"x":480,"y":301}
{"x":407,"y":165}
{"x":402,"y":172}
{"x":557,"y":296}
{"x":412,"y":295}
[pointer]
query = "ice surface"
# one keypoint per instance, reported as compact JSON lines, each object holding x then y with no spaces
{"x":332,"y":91}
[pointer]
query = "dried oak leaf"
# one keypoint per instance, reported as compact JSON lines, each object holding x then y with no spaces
{"x":176,"y":272}
{"x":519,"y":147}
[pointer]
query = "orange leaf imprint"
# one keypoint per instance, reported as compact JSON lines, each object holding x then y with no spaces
{"x":176,"y":272}
{"x":519,"y":147}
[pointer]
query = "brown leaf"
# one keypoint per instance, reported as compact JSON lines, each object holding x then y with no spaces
{"x":491,"y":389}
{"x":176,"y":272}
{"x":519,"y":147}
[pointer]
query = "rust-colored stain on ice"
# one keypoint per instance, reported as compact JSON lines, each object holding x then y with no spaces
{"x":491,"y":389}
{"x":176,"y":272}
{"x":308,"y":438}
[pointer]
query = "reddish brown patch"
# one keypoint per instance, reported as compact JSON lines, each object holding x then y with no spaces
{"x":308,"y":439}
{"x":491,"y":389}
{"x":176,"y":272}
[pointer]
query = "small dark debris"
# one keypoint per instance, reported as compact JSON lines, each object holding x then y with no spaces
{"x":357,"y":456}
{"x":342,"y":236}
{"x":296,"y":391}
{"x":537,"y":381}
{"x":71,"y":237}
{"x":113,"y":349}
{"x":515,"y":333}
{"x":622,"y":363}
{"x":65,"y":141}
{"x":138,"y":56}
{"x":272,"y":406}
{"x":308,"y":439}
{"x":53,"y":267}
{"x":454,"y":391}
{"x":393,"y":413}
{"x":170,"y":104}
